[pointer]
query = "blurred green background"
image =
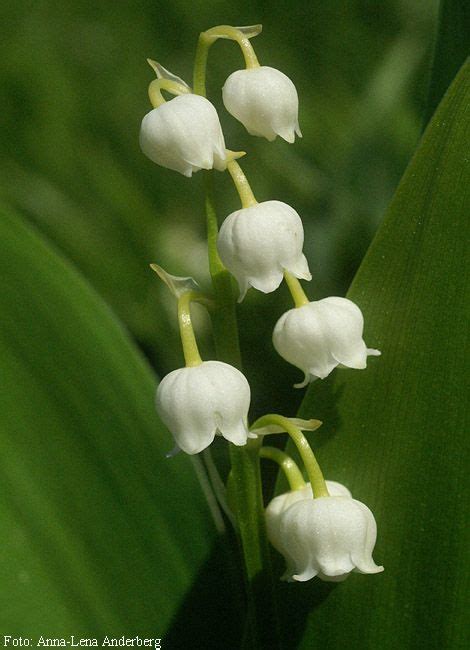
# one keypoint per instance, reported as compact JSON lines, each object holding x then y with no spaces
{"x":74,"y":83}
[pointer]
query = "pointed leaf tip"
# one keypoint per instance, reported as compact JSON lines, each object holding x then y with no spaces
{"x":250,"y":31}
{"x":154,"y":65}
{"x":163,"y":73}
{"x":177,"y":285}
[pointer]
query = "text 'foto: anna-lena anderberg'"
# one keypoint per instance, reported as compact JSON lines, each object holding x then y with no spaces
{"x":76,"y":641}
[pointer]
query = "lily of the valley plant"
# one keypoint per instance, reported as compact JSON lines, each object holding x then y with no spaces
{"x":319,"y":528}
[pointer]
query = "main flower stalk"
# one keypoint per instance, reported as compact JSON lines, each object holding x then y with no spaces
{"x":246,"y":496}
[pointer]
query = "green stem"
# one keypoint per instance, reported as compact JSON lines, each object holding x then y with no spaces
{"x":200,"y":64}
{"x":157,"y":85}
{"x":224,"y":317}
{"x":208,"y":38}
{"x":218,"y":485}
{"x":246,"y":493}
{"x":208,"y":493}
{"x":188,"y":340}
{"x":287,"y":464}
{"x":234,"y":34}
{"x":295,"y":288}
{"x":242,"y":185}
{"x":312,"y":467}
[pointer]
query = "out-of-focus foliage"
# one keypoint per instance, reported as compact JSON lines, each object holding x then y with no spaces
{"x":74,"y":89}
{"x":91,"y":544}
{"x":452,"y":48}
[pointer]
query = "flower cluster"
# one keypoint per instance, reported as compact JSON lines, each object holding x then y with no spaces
{"x":319,"y":528}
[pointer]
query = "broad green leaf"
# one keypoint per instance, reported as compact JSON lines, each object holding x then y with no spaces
{"x":395,"y":434}
{"x":101,"y":534}
{"x":451,"y":50}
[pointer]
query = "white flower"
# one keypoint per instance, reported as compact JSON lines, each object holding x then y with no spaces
{"x":197,"y":402}
{"x":265,"y":101}
{"x":277,"y":508}
{"x":326,"y":537}
{"x":321,"y":335}
{"x":257,"y":243}
{"x":184,"y":134}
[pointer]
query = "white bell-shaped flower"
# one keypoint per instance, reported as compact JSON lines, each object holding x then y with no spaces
{"x":184,"y":134}
{"x":278,"y":506}
{"x":257,"y":243}
{"x":321,"y":335}
{"x":326,"y":537}
{"x":265,"y":101}
{"x":199,"y":401}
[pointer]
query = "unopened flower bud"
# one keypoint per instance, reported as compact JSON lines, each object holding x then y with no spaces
{"x":326,"y":537}
{"x":265,"y":101}
{"x":197,"y":402}
{"x":321,"y":335}
{"x":184,"y":134}
{"x":258,"y":243}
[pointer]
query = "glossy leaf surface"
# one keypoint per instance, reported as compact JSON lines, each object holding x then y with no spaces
{"x":396,"y":434}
